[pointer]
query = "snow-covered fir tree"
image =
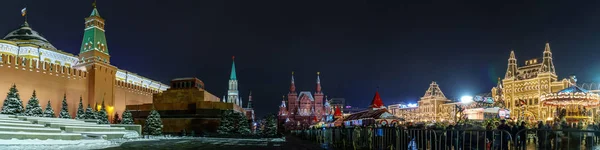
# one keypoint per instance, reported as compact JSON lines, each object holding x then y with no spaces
{"x":127,"y":117}
{"x":102,"y":115}
{"x":226,"y":126}
{"x":12,"y":104}
{"x":153,"y":124}
{"x":33,"y":107}
{"x":116,"y":119}
{"x":89,"y":113}
{"x":49,"y":112}
{"x":80,"y":113}
{"x":243,"y":127}
{"x":270,"y":126}
{"x":64,"y":111}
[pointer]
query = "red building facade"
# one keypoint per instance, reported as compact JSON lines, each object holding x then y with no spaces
{"x":301,"y":109}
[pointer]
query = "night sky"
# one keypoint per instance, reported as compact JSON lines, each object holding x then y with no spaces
{"x":356,"y":45}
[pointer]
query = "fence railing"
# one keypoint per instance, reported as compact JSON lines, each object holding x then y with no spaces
{"x":421,"y":139}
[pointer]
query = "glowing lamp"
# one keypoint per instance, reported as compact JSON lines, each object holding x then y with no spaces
{"x":466,"y":99}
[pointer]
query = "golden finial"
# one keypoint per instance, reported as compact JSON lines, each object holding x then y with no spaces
{"x":292,"y":72}
{"x":318,"y":73}
{"x":94,"y":4}
{"x":283,"y":96}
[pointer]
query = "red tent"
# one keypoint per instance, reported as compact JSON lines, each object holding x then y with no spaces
{"x":376,"y":103}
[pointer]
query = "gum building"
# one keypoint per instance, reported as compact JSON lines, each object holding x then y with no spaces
{"x":30,"y":61}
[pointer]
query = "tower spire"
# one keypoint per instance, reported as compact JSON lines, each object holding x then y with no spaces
{"x":318,"y":82}
{"x":232,"y":92}
{"x":250,"y":100}
{"x":512,"y":66}
{"x":292,"y":85}
{"x":94,"y":44}
{"x":547,"y":64}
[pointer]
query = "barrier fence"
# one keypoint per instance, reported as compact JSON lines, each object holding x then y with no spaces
{"x":390,"y":138}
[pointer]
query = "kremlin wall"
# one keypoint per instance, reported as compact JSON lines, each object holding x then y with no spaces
{"x":31,"y":62}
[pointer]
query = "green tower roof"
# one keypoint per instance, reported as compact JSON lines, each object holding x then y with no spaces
{"x":95,"y":12}
{"x":94,"y":37}
{"x":233,"y":76}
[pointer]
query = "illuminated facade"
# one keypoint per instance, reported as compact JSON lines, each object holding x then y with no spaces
{"x":304,"y":108}
{"x":429,"y":107}
{"x":522,"y":86}
{"x":32,"y":63}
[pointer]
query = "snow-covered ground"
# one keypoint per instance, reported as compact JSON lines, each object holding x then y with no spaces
{"x":16,"y":144}
{"x":85,"y":144}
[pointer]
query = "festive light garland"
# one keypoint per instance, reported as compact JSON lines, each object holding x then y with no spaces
{"x":566,"y":98}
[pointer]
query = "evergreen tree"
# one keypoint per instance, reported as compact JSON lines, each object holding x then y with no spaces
{"x":127,"y":117}
{"x":243,"y":127}
{"x":80,"y":113}
{"x":116,"y":119}
{"x":96,"y":112}
{"x":64,"y":112}
{"x":33,"y":107}
{"x":89,"y":113}
{"x":102,"y":115}
{"x":226,"y":126}
{"x":12,"y":104}
{"x":153,"y":124}
{"x":49,"y":111}
{"x":270,"y":126}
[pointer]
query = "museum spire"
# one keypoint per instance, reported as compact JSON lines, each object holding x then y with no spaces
{"x":318,"y":83}
{"x":292,"y":84}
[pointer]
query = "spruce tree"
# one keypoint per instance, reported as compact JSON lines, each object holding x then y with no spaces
{"x":243,"y":127}
{"x":127,"y":117}
{"x":12,"y":104}
{"x":49,"y":112}
{"x":116,"y":119}
{"x":102,"y":115}
{"x":226,"y":126}
{"x":270,"y":126}
{"x":89,"y":113}
{"x":80,"y":113}
{"x":33,"y":107}
{"x":153,"y":124}
{"x":64,"y":111}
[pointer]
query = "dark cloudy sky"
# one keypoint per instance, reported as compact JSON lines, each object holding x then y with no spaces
{"x":400,"y":46}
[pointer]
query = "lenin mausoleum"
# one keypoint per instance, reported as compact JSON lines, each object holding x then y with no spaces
{"x":32,"y":63}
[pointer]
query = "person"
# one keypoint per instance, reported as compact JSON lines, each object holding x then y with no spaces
{"x":496,"y":138}
{"x":503,"y":130}
{"x":489,"y":135}
{"x":522,"y":131}
{"x":542,"y":136}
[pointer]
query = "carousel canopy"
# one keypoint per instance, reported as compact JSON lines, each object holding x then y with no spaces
{"x":572,"y":95}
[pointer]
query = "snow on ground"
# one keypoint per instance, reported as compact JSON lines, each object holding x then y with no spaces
{"x":32,"y":144}
{"x":35,"y":144}
{"x":130,"y":134}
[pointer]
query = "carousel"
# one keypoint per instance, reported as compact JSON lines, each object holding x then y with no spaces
{"x":572,"y":104}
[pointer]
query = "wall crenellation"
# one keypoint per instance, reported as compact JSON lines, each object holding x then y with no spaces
{"x":31,"y":64}
{"x":137,"y":88}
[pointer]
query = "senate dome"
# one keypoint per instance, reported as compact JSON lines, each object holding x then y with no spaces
{"x":26,"y":35}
